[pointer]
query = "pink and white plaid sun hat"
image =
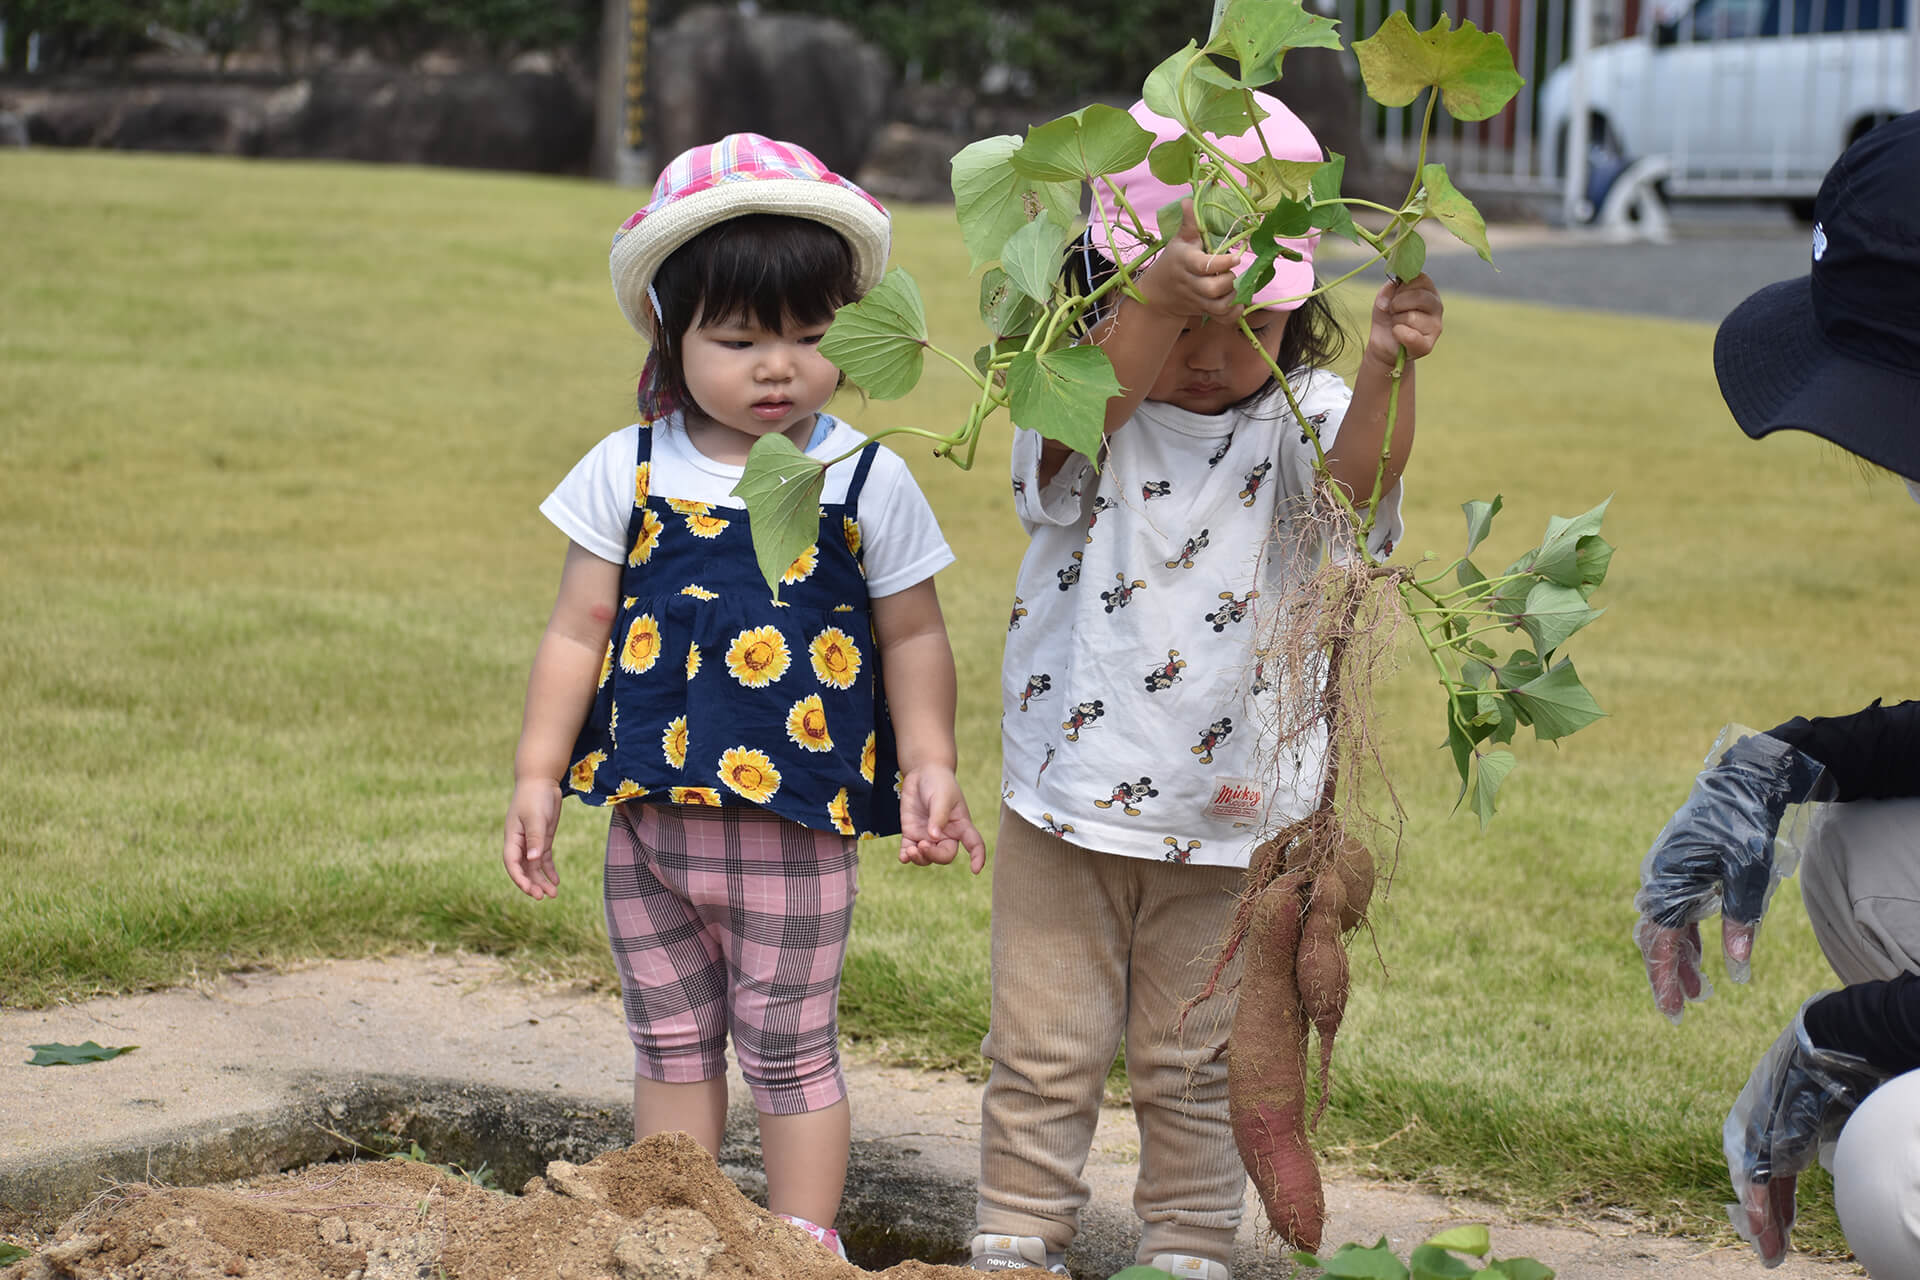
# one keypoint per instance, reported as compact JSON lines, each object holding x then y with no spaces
{"x":740,"y":174}
{"x":1286,"y":138}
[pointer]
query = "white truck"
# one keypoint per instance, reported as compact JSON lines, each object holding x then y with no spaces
{"x":1741,"y":98}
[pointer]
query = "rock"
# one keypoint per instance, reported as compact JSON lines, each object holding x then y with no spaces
{"x":790,"y":76}
{"x":405,"y":1257}
{"x":13,"y":130}
{"x":481,"y":119}
{"x":568,"y":1180}
{"x":912,"y":163}
{"x":667,"y":1244}
{"x":526,"y":120}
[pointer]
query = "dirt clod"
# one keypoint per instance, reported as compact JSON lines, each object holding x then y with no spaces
{"x":659,"y":1210}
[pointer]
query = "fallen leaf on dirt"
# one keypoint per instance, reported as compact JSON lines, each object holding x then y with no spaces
{"x":73,"y":1055}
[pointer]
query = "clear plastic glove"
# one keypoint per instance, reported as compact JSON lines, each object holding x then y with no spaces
{"x":1793,"y":1106}
{"x":1717,"y":853}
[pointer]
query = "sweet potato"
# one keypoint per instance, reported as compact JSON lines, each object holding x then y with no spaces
{"x":1320,"y":972}
{"x":1266,"y":1072}
{"x":1354,"y":863}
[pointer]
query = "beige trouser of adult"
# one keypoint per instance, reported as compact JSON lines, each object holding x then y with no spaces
{"x":1861,"y":884}
{"x":1090,"y":949}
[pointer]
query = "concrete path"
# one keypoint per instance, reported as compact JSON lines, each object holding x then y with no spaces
{"x":255,"y":1070}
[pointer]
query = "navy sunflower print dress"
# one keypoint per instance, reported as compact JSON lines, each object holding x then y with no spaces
{"x":713,"y":693}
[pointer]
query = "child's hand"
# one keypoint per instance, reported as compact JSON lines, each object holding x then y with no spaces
{"x":934,"y":823}
{"x":532,"y":817}
{"x":1406,"y":314}
{"x":1185,"y":280}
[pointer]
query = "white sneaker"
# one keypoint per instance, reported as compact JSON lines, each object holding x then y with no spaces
{"x":1013,"y":1253}
{"x":1188,"y":1267}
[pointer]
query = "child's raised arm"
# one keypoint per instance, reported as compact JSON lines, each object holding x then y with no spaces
{"x":1182,"y":282}
{"x":916,"y":661}
{"x":566,"y":670}
{"x":1407,"y":313}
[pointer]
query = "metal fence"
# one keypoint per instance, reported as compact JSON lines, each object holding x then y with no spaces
{"x":1720,"y":98}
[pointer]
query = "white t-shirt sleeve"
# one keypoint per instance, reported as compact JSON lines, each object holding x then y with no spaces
{"x":1324,"y":397}
{"x":901,"y":538}
{"x":593,"y":504}
{"x":1061,"y":501}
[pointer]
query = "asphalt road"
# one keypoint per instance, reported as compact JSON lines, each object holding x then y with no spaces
{"x":1716,"y":259}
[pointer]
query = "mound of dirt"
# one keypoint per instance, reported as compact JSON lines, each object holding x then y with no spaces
{"x":659,"y":1210}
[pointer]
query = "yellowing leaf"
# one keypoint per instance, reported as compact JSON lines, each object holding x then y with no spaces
{"x":1471,"y":68}
{"x":1455,"y":212}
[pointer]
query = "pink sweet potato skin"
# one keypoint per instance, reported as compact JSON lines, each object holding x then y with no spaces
{"x":1321,"y":974}
{"x":1266,"y":1073}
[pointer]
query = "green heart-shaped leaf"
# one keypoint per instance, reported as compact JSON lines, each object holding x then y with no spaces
{"x":1063,"y":395}
{"x":1556,"y":703}
{"x":1471,"y":68}
{"x":1553,"y":613}
{"x":880,"y":341}
{"x":1258,"y":33}
{"x":781,"y":487}
{"x":1172,"y":161}
{"x":1408,"y":257}
{"x":1489,"y":771}
{"x":992,"y":199}
{"x":1080,"y":147}
{"x":1188,"y":88}
{"x":1031,"y":258}
{"x":1517,"y":1269}
{"x":1558,"y":559}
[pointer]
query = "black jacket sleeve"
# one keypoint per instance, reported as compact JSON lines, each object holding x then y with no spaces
{"x":1873,"y":754}
{"x":1877,"y":1021}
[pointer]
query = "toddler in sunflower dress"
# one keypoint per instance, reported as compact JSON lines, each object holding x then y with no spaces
{"x":743,"y":743}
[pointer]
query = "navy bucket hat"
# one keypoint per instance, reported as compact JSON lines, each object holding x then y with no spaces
{"x":1837,"y":351}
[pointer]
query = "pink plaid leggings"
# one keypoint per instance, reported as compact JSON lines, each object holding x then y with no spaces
{"x":732,"y":920}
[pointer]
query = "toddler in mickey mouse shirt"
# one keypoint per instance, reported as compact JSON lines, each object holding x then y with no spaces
{"x":1135,"y":779}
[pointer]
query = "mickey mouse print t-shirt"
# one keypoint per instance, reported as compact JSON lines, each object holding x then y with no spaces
{"x":1133,"y":698}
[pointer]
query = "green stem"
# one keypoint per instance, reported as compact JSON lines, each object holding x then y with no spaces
{"x":1433,"y":652}
{"x":1386,"y":441}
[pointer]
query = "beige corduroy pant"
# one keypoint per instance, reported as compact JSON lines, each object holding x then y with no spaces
{"x":1091,"y":950}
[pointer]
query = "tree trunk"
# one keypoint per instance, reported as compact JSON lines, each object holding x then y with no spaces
{"x":610,"y":128}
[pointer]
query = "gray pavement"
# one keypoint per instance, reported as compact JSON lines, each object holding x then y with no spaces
{"x":257,"y":1071}
{"x":1719,"y":254}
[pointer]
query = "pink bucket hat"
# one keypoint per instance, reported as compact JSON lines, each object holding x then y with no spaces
{"x":740,"y":174}
{"x":1286,"y":138}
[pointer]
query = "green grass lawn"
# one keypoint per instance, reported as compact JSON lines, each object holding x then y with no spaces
{"x":271,"y":442}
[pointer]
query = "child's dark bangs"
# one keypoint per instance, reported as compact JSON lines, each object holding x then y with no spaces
{"x":772,"y":271}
